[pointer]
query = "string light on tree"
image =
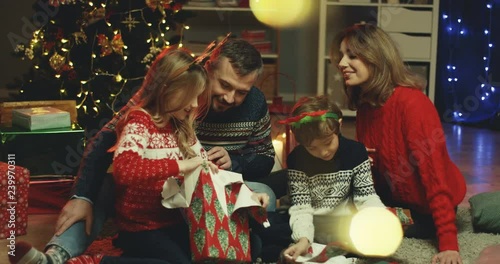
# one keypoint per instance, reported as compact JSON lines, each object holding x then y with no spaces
{"x":94,"y":51}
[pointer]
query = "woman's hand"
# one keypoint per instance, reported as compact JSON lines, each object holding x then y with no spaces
{"x":298,"y":249}
{"x":447,"y":257}
{"x":262,"y":198}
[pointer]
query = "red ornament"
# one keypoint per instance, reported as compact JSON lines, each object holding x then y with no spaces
{"x":72,"y":75}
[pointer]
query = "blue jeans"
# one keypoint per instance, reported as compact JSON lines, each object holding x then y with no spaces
{"x":75,"y":241}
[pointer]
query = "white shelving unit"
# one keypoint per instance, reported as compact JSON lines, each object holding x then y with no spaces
{"x":212,"y":22}
{"x":414,"y":27}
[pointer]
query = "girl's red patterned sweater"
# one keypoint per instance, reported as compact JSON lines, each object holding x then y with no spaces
{"x":146,"y":156}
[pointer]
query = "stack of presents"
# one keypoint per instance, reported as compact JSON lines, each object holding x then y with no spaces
{"x":36,"y":141}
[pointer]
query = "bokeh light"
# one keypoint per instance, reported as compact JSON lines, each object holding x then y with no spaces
{"x":281,"y":13}
{"x":375,"y":232}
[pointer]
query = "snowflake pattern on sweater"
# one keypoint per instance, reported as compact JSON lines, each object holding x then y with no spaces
{"x":146,"y":156}
{"x":320,"y":189}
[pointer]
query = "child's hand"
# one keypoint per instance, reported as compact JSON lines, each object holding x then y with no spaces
{"x":213,"y":167}
{"x":186,"y":166}
{"x":298,"y":249}
{"x":262,"y":198}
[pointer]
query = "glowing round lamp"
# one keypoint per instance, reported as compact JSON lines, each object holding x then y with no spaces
{"x":281,"y":13}
{"x":375,"y":232}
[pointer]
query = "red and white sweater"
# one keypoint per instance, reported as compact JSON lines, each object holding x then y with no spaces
{"x":411,"y":164}
{"x":146,"y":156}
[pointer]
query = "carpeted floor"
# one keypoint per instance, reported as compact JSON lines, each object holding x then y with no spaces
{"x":411,"y":251}
{"x":416,"y":251}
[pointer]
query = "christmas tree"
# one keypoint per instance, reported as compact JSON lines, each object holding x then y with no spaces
{"x":95,"y":52}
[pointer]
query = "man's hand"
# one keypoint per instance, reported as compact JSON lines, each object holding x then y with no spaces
{"x":262,"y":198}
{"x":447,"y":257}
{"x":75,"y":210}
{"x":220,"y":157}
{"x":298,"y":249}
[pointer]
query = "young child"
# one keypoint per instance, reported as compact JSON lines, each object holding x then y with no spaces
{"x":156,"y":140}
{"x":327,"y":173}
{"x":400,"y":126}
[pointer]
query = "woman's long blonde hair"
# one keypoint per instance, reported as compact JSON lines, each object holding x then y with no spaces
{"x":379,"y":52}
{"x":170,"y":84}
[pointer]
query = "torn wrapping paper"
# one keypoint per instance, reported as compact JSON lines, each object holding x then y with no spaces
{"x":217,"y":210}
{"x":331,"y":253}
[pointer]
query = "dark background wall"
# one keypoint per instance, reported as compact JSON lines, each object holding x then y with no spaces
{"x":13,"y":14}
{"x":466,"y":53}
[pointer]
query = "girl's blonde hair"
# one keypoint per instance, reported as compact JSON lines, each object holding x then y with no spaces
{"x":378,"y":51}
{"x":170,"y":85}
{"x":307,"y":132}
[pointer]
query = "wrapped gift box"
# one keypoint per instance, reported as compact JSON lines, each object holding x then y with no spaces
{"x":219,"y":207}
{"x":14,"y":184}
{"x":38,"y":118}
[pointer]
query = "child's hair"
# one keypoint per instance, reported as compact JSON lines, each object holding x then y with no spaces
{"x":379,"y":52}
{"x":309,"y":131}
{"x":170,"y":84}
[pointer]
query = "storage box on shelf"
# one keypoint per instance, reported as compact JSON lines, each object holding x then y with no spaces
{"x":413,"y":25}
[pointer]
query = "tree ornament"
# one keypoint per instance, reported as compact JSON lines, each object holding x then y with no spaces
{"x":153,"y":4}
{"x":106,"y":48}
{"x":47,"y":47}
{"x":57,"y":61}
{"x":80,"y":37}
{"x":130,"y":22}
{"x":153,"y":51}
{"x":28,"y":52}
{"x":93,"y":16}
{"x":163,"y":4}
{"x":117,"y":44}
